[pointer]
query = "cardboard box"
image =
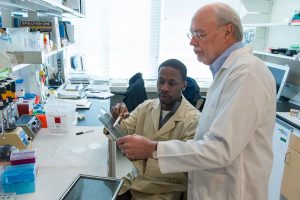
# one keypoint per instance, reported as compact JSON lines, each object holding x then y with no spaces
{"x":291,"y":177}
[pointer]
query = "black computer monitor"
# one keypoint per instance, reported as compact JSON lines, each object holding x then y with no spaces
{"x":280,"y":73}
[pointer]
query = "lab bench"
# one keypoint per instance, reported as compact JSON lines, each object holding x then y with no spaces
{"x":91,"y":114}
{"x":61,"y":157}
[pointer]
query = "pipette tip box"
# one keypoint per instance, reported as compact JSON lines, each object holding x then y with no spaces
{"x":22,"y":157}
{"x":19,"y":178}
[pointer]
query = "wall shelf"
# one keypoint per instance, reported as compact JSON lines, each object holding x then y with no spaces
{"x":275,"y":55}
{"x":265,"y":24}
{"x":48,"y":7}
{"x":26,"y":58}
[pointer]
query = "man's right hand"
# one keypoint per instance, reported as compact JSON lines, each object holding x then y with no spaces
{"x":119,"y":109}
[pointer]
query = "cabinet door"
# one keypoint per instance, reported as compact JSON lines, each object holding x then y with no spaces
{"x":291,"y":178}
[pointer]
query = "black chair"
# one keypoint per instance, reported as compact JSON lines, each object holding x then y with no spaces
{"x":192,"y":91}
{"x":136,"y":92}
{"x":200,"y":103}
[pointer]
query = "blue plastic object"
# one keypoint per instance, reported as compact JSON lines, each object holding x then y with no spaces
{"x":29,"y":96}
{"x":19,"y":80}
{"x":19,"y":178}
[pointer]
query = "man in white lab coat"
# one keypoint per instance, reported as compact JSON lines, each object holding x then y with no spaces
{"x":231,"y":155}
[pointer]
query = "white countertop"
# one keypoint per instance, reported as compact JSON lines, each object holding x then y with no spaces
{"x":61,"y":157}
{"x":286,"y":115}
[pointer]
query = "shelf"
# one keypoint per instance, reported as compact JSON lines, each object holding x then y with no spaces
{"x":48,"y":7}
{"x":17,"y":67}
{"x":275,"y":55}
{"x":27,"y":58}
{"x":265,"y":24}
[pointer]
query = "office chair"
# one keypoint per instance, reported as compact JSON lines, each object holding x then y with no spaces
{"x":192,"y":91}
{"x":136,"y":92}
{"x":200,"y":103}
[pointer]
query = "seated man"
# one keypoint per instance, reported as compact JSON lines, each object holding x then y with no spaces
{"x":169,"y":117}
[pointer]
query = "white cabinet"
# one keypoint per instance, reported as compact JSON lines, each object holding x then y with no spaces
{"x":280,"y":145}
{"x":281,"y":139}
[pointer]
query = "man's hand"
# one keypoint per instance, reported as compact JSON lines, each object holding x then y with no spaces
{"x":119,"y":109}
{"x":136,"y":147}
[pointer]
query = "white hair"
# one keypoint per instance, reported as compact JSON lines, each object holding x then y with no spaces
{"x":226,"y":15}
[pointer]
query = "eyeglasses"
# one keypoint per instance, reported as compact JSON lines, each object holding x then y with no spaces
{"x":198,"y":35}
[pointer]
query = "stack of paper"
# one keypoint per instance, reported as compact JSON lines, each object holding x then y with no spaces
{"x":99,"y":95}
{"x":82,"y":103}
{"x":69,"y":94}
{"x":98,"y":87}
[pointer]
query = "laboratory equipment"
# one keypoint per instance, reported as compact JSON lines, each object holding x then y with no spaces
{"x":10,"y":87}
{"x":2,"y":106}
{"x":19,"y":178}
{"x":20,"y":92}
{"x":60,"y":115}
{"x":18,"y":157}
{"x":30,"y":124}
{"x":17,"y":138}
{"x":5,"y":151}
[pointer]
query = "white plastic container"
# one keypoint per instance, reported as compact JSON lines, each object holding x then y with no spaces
{"x":60,"y":115}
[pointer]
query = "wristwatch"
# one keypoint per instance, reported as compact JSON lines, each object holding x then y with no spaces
{"x":154,"y":155}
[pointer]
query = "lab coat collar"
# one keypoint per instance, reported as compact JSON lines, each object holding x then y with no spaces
{"x":231,"y":58}
{"x":217,"y":64}
{"x":229,"y":63}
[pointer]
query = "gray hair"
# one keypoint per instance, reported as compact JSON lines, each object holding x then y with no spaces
{"x":226,"y":15}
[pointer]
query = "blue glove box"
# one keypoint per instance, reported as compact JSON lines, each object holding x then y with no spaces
{"x":19,"y":178}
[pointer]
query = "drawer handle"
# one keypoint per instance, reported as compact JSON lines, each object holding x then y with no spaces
{"x":287,"y":158}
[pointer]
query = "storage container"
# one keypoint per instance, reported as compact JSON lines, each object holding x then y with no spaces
{"x":60,"y":115}
{"x":25,"y":156}
{"x":19,"y":178}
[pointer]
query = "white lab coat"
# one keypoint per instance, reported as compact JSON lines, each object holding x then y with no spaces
{"x":231,"y":155}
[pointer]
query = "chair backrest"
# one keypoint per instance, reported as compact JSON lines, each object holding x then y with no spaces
{"x":192,"y":91}
{"x":136,"y":92}
{"x":200,"y":103}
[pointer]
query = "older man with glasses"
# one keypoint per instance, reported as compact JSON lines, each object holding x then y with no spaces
{"x":231,"y":155}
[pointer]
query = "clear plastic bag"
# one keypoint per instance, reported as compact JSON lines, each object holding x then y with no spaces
{"x":20,"y":39}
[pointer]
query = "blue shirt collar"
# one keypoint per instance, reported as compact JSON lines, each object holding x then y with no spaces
{"x":217,"y":64}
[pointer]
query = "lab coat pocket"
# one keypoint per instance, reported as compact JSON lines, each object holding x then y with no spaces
{"x":213,"y":186}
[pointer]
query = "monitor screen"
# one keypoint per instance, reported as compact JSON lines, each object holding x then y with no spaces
{"x":93,"y":188}
{"x":280,"y":73}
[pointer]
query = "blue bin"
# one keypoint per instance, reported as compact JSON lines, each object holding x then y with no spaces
{"x":19,"y":178}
